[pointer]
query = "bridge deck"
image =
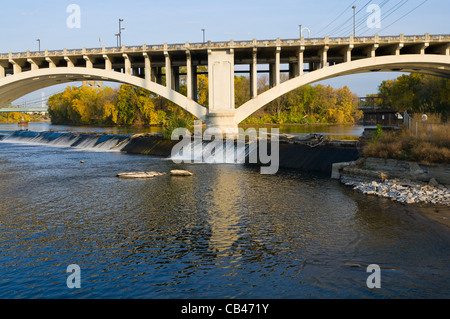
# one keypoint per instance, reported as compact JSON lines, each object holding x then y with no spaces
{"x":335,"y":48}
{"x":23,"y":110}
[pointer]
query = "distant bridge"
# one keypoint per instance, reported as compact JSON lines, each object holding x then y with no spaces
{"x":24,"y":110}
{"x":309,"y":60}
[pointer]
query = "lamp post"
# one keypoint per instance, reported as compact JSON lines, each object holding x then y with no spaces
{"x":354,"y":21}
{"x":203,"y":30}
{"x":120,"y":32}
{"x":39,"y":41}
{"x":302,"y":29}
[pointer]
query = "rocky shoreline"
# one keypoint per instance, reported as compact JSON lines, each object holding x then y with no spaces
{"x":405,"y":182}
{"x":402,"y":191}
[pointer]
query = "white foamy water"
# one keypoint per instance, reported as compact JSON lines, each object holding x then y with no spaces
{"x":79,"y":141}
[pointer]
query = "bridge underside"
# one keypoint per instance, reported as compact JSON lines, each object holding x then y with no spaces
{"x":432,"y":65}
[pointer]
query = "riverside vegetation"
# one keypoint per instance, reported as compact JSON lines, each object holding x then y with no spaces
{"x":128,"y":105}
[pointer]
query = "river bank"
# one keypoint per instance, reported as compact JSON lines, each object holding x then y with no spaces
{"x":425,"y":186}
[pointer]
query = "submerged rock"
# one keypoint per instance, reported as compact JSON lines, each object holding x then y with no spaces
{"x":180,"y":173}
{"x":140,"y":175}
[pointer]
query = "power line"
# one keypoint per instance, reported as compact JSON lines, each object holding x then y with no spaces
{"x":393,"y":9}
{"x":346,"y":9}
{"x":363,"y":19}
{"x":335,"y":30}
{"x":404,"y":15}
{"x":385,"y":15}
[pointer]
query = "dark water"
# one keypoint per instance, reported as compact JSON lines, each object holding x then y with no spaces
{"x":226,"y":232}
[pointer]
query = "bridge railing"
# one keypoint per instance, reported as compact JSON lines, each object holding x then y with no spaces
{"x":231,"y":43}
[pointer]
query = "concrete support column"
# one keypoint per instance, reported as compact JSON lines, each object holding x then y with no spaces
{"x":300,"y":60}
{"x":372,"y":50}
{"x":324,"y":56}
{"x":70,"y":63}
{"x":2,"y":71}
{"x":194,"y":82}
{"x":277,"y":66}
{"x":33,"y":64}
{"x":127,"y":63}
{"x":293,"y":70}
{"x":157,"y":74}
{"x":254,"y":74}
{"x":423,"y":47}
{"x":148,"y":67}
{"x":108,"y":63}
{"x":51,"y":63}
{"x":221,"y":80}
{"x":176,"y":78}
{"x":16,"y":67}
{"x":399,"y":46}
{"x":221,"y":91}
{"x":272,"y":75}
{"x":89,"y":63}
{"x":169,"y":82}
{"x":348,"y":53}
{"x":189,"y":82}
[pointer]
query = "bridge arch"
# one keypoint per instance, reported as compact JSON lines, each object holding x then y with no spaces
{"x":15,"y":86}
{"x":438,"y":65}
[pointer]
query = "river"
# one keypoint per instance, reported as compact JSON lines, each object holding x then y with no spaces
{"x":226,"y":232}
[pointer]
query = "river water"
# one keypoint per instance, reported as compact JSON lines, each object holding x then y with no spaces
{"x":226,"y":232}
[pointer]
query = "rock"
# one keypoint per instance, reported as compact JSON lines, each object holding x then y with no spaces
{"x":336,"y":167}
{"x":180,"y":173}
{"x":140,"y":175}
{"x":82,"y":162}
{"x":433,"y":182}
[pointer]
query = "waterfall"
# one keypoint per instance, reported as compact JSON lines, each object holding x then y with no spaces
{"x":220,"y":152}
{"x":83,"y":141}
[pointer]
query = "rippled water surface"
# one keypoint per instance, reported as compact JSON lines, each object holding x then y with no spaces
{"x":226,"y":232}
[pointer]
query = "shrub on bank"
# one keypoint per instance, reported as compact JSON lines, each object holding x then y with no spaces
{"x":403,"y":146}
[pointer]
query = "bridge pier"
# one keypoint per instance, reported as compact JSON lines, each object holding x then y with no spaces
{"x":221,"y":91}
{"x":222,"y":122}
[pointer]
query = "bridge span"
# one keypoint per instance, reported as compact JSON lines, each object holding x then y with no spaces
{"x":24,"y":110}
{"x":157,"y":68}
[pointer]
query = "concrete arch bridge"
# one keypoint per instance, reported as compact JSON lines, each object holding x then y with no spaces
{"x":307,"y":61}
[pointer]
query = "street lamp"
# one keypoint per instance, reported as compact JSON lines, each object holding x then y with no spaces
{"x":354,"y":21}
{"x":203,"y":30}
{"x":120,"y":32}
{"x":39,"y":40}
{"x":302,"y":29}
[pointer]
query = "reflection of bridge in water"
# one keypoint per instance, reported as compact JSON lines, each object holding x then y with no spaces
{"x":157,"y":68}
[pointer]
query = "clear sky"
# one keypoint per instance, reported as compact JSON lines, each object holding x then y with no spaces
{"x":178,"y":21}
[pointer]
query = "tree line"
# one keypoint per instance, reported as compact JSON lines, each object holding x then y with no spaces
{"x":306,"y":104}
{"x":128,"y":105}
{"x":417,"y":93}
